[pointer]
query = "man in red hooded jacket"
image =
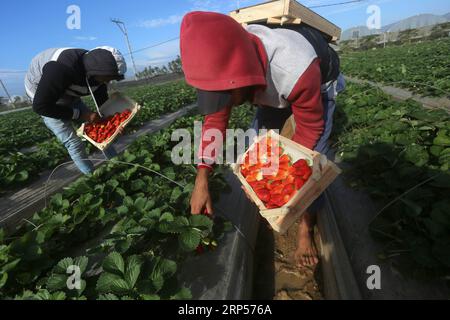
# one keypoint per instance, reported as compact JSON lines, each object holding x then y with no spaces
{"x":281,"y":71}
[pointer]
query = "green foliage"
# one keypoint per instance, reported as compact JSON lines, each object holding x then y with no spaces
{"x":403,"y":154}
{"x":420,"y":67}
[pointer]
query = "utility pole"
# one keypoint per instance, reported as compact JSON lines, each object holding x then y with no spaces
{"x":123,"y":28}
{"x":7,"y":93}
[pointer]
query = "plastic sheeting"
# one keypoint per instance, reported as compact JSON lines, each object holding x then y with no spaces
{"x":227,"y":273}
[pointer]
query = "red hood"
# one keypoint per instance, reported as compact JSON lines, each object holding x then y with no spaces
{"x":218,"y":54}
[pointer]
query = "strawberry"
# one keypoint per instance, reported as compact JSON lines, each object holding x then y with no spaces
{"x":263,"y":194}
{"x":298,"y":183}
{"x":285,"y":159}
{"x":288,"y":189}
{"x":277,"y":190}
{"x":300,"y":164}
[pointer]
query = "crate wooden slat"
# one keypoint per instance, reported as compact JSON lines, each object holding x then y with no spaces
{"x":286,"y":12}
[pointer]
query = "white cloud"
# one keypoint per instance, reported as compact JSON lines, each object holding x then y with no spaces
{"x":155,"y":23}
{"x":85,"y":38}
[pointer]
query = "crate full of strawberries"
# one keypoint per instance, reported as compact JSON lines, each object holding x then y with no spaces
{"x":283,"y":178}
{"x":117,"y":112}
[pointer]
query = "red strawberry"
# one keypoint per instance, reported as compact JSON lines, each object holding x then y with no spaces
{"x":299,"y":183}
{"x":277,"y":190}
{"x":285,"y":159}
{"x":263,"y":194}
{"x":300,"y":164}
{"x":200,"y":249}
{"x":288,"y":189}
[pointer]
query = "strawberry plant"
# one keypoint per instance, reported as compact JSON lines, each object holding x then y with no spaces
{"x":25,"y":129}
{"x":398,"y":152}
{"x":128,"y":230}
{"x":419,"y":67}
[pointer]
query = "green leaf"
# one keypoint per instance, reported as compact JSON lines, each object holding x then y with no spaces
{"x":140,"y":203}
{"x":108,"y":296}
{"x":183,"y":294}
{"x":10,"y":265}
{"x":114,"y":263}
{"x":176,"y":193}
{"x":134,"y":264}
{"x":63,"y":265}
{"x":169,"y":173}
{"x":112,"y":184}
{"x":189,"y":240}
{"x":22,"y":176}
{"x":150,"y":297}
{"x":3,"y":279}
{"x":417,"y":155}
{"x":167,"y":267}
{"x":58,"y":296}
{"x":138,"y":185}
{"x":122,"y":210}
{"x":200,"y":221}
{"x":167,"y":217}
{"x":81,"y":262}
{"x":57,"y":282}
{"x":111,"y":283}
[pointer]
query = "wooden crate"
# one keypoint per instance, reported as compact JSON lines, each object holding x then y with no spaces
{"x":286,"y":12}
{"x":323,"y":174}
{"x":116,"y":103}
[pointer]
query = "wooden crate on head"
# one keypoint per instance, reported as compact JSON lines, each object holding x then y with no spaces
{"x":284,"y":12}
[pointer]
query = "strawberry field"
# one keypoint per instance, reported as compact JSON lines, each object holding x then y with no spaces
{"x":421,"y":67}
{"x":399,"y":153}
{"x":20,"y":164}
{"x":128,"y":228}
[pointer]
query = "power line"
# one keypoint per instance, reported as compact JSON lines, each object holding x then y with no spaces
{"x":335,"y":4}
{"x":154,"y":45}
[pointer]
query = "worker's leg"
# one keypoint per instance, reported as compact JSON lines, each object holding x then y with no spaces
{"x":66,"y":134}
{"x":306,"y":253}
{"x":109,"y":152}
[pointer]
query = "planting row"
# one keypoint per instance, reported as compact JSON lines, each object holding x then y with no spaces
{"x":127,"y":229}
{"x":22,"y":129}
{"x":421,"y":67}
{"x":399,"y":153}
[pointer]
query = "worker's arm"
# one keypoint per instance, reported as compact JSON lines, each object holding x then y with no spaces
{"x":201,"y":198}
{"x":56,"y":78}
{"x":307,"y":107}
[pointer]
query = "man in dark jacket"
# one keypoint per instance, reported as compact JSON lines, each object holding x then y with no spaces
{"x":281,"y":71}
{"x":56,"y":80}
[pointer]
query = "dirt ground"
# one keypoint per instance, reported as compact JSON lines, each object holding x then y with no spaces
{"x":275,"y":275}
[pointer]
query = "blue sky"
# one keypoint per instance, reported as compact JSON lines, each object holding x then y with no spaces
{"x":29,"y":27}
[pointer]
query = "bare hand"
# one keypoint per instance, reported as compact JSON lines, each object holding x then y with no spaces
{"x":90,"y":117}
{"x":201,"y":198}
